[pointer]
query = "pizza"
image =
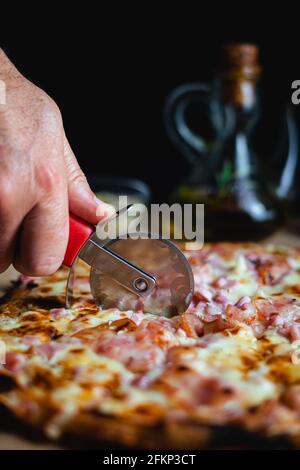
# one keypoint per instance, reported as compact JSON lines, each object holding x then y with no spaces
{"x":226,"y":369}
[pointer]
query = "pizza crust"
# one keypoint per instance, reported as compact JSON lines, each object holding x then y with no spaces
{"x":171,"y":435}
{"x":92,"y":430}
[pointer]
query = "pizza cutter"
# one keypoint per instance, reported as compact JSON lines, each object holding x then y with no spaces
{"x":133,"y":271}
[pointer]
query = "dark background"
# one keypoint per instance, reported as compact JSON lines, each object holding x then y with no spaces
{"x":110,"y":71}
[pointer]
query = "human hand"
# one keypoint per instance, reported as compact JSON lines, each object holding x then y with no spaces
{"x":40,"y":179}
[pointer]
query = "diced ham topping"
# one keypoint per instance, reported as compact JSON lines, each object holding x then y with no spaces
{"x":219,"y":324}
{"x":48,"y":350}
{"x":31,"y":340}
{"x":223,"y":282}
{"x":192,"y":325}
{"x":258,"y":329}
{"x":221,"y":297}
{"x":245,"y":314}
{"x":243,"y":300}
{"x":138,"y":356}
{"x":211,"y":311}
{"x":277,"y":311}
{"x":202,"y":294}
{"x":294,"y":333}
{"x":158,"y":331}
{"x":140,"y":349}
{"x":233,"y":312}
{"x":139,"y":306}
{"x":142,"y":381}
{"x":14,"y":361}
{"x":203,"y":274}
{"x":137,"y":317}
{"x":193,"y":389}
{"x":271,"y":269}
{"x":58,"y":313}
{"x":281,"y":313}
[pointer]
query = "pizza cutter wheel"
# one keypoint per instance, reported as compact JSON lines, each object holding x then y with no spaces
{"x":140,"y":274}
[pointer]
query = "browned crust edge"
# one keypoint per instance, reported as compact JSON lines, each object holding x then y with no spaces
{"x":97,"y":429}
{"x":167,"y":436}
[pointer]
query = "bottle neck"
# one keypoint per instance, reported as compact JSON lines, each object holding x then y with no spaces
{"x":237,"y":104}
{"x":239,"y":93}
{"x":238,"y":75}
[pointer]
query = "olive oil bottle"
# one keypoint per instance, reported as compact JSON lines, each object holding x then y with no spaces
{"x":226,"y":176}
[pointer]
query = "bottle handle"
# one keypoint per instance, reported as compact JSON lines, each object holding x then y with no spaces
{"x":190,"y":143}
{"x":79,"y":232}
{"x":286,"y":183}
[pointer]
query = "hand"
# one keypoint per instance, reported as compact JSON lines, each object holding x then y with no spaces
{"x":40,"y":179}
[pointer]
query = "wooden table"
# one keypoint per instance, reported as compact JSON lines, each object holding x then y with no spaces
{"x":18,"y":439}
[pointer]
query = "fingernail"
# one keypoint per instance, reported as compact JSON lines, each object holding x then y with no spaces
{"x":104,"y":210}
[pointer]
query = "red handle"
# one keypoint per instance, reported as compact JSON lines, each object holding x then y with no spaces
{"x":79,"y":232}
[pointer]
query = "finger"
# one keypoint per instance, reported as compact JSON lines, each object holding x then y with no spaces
{"x":7,"y":244}
{"x":11,"y":216}
{"x":82,"y":201}
{"x":43,"y":237}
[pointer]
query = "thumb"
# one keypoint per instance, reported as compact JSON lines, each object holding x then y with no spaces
{"x":82,"y":200}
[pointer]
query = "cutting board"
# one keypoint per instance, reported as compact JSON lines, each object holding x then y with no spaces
{"x":17,"y":437}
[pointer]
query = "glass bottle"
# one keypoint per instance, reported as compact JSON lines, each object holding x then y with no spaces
{"x":227,"y":177}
